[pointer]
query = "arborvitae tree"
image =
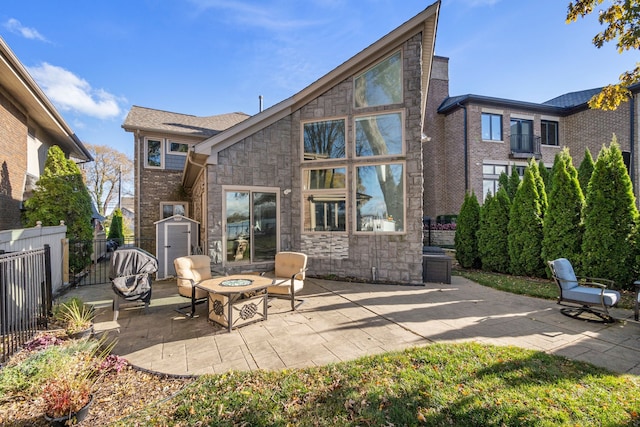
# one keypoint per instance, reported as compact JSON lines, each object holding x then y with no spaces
{"x":585,"y":170}
{"x":562,"y":228}
{"x":610,"y":220}
{"x":493,"y":242}
{"x":465,"y":240}
{"x":61,"y":194}
{"x":525,"y":227}
{"x":115,"y":229}
{"x":503,"y":181}
{"x":514,"y":183}
{"x":540,"y":186}
{"x":545,"y":175}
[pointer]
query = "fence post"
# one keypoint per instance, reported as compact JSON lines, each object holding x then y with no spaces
{"x":48,"y":285}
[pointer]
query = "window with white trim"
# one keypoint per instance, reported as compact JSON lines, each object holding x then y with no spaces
{"x":180,"y":148}
{"x":154,"y":157}
{"x":168,"y":209}
{"x":490,"y":178}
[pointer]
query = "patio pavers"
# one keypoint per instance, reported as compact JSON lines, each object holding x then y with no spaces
{"x":343,"y":321}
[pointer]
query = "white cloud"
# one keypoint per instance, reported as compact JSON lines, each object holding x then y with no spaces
{"x":71,"y":93}
{"x":16,"y":27}
{"x":266,"y":16}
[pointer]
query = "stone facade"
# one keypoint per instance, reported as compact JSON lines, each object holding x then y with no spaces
{"x":13,"y":163}
{"x":271,"y":158}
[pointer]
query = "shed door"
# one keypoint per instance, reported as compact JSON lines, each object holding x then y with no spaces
{"x":177,"y":244}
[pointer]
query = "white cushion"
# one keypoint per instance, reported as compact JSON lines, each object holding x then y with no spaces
{"x":194,"y":267}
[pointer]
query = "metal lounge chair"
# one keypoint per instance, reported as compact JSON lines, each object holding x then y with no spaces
{"x":288,"y":277}
{"x":583,"y":295}
{"x":191,"y":270}
{"x":130,"y":273}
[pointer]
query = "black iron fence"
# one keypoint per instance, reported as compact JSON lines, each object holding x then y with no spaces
{"x":89,"y":260}
{"x":25,"y":296}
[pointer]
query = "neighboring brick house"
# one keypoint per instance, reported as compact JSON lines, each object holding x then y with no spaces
{"x":161,"y":142}
{"x":334,"y":171}
{"x":29,"y":126}
{"x":473,"y":138}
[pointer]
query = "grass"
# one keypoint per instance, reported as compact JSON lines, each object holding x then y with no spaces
{"x":438,"y":385}
{"x":530,"y":286}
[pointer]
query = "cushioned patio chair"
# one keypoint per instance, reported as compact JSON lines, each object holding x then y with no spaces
{"x":583,"y":295}
{"x":288,"y":276}
{"x":191,"y":270}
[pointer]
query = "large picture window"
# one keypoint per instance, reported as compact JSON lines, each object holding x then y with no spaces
{"x":324,"y":199}
{"x":379,"y":135}
{"x":153,"y":149}
{"x":251,"y":218}
{"x":324,"y":140}
{"x":380,"y":198}
{"x":381,"y":84}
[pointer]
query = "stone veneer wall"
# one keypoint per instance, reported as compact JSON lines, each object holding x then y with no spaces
{"x":271,"y":158}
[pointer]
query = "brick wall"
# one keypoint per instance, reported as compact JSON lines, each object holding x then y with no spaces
{"x":13,"y":163}
{"x":155,"y":186}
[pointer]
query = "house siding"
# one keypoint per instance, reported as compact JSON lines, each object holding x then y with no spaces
{"x":154,"y":186}
{"x":13,"y":163}
{"x":272,"y":158}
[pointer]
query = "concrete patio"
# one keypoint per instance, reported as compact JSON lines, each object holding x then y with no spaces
{"x":342,"y":321}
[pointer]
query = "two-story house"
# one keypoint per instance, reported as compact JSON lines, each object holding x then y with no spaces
{"x":29,"y":126}
{"x":472,"y":139}
{"x":162,"y":141}
{"x":335,"y":171}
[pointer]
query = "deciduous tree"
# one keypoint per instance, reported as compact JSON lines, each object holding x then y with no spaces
{"x":104,"y":175}
{"x":622,"y":24}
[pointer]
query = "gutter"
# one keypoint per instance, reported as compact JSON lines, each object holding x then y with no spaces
{"x":632,"y":138}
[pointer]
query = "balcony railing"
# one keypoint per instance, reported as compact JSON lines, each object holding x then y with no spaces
{"x":525,"y":146}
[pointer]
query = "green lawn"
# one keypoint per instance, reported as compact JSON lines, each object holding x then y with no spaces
{"x":441,"y":385}
{"x":530,"y":286}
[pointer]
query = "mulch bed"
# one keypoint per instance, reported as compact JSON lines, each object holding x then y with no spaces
{"x":119,"y":395}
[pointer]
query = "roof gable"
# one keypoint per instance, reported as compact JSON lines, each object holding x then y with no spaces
{"x":19,"y":84}
{"x":149,"y":119}
{"x":425,"y":23}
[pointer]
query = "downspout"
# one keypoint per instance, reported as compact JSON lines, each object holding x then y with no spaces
{"x":466,"y":149}
{"x":632,"y":140}
{"x":203,"y":240}
{"x":139,"y":166}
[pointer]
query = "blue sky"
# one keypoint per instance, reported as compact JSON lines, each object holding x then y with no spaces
{"x":95,"y":59}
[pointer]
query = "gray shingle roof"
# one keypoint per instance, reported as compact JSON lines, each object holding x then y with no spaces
{"x":165,"y":121}
{"x":573,"y":99}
